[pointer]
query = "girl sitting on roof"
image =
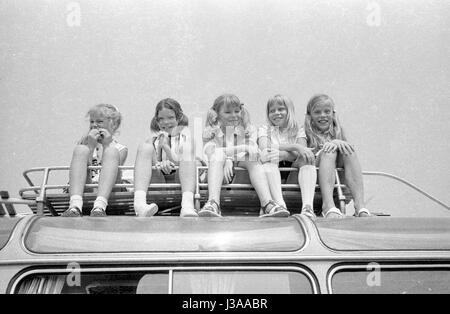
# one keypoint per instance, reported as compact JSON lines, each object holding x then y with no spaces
{"x":230,"y":141}
{"x":169,"y":146}
{"x":326,"y":138}
{"x":96,"y":148}
{"x":283,"y":144}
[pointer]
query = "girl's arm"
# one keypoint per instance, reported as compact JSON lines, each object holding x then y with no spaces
{"x":284,"y":154}
{"x":300,"y":148}
{"x":123,"y":153}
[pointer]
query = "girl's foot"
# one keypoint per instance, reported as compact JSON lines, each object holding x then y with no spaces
{"x":308,"y":211}
{"x":332,"y":213}
{"x":363,"y":212}
{"x":98,"y":212}
{"x":210,"y":209}
{"x":272,"y":209}
{"x":72,"y":212}
{"x":146,"y":210}
{"x":188,"y":212}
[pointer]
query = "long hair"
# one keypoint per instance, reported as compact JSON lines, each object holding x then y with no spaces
{"x":173,"y":105}
{"x":292,"y":124}
{"x":212,"y":117}
{"x":315,"y":137}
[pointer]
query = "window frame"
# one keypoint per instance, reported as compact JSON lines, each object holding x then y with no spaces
{"x":310,"y":276}
{"x":363,"y":267}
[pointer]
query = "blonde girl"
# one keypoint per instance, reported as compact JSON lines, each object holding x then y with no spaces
{"x":283,"y":144}
{"x":230,"y":140}
{"x":326,"y":138}
{"x":170,"y":145}
{"x":97,"y":148}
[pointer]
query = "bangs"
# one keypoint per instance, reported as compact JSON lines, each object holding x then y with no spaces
{"x":227,"y":101}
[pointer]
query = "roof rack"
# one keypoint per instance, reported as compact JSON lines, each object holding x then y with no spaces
{"x":237,"y":198}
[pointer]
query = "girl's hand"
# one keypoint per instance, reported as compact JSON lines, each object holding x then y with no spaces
{"x":228,"y":171}
{"x":167,"y":166}
{"x":344,"y":147}
{"x":270,"y":155}
{"x":92,"y":138}
{"x":307,"y":154}
{"x":105,"y":137}
{"x":164,"y":139}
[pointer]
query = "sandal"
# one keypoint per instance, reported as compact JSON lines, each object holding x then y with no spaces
{"x":72,"y":212}
{"x":363,"y":211}
{"x":274,"y":211}
{"x":308,"y":211}
{"x":98,"y":212}
{"x":333,"y":210}
{"x":210,"y":209}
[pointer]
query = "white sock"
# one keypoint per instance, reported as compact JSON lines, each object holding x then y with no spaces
{"x":140,"y":205}
{"x":307,"y":178}
{"x":100,"y":202}
{"x":187,"y":200}
{"x":76,"y":201}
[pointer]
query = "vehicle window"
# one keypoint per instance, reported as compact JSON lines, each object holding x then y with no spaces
{"x":49,"y":235}
{"x":393,"y":234}
{"x":392,"y":281}
{"x":241,"y":282}
{"x":7,"y":225}
{"x":96,"y":283}
{"x":157,"y":282}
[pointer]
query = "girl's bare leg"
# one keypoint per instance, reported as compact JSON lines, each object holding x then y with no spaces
{"x":77,"y":179}
{"x":327,"y":181}
{"x":354,"y":180}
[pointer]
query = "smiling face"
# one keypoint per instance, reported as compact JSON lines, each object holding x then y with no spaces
{"x":167,"y":120}
{"x":97,"y":120}
{"x":322,"y":115}
{"x":278,"y":115}
{"x":230,"y":115}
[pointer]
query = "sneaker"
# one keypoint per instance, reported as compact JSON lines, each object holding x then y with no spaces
{"x":72,"y":212}
{"x":210,"y":209}
{"x":308,"y":211}
{"x":148,"y":211}
{"x":98,"y":212}
{"x":272,"y":209}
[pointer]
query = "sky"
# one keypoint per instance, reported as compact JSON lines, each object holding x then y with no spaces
{"x":385,"y":63}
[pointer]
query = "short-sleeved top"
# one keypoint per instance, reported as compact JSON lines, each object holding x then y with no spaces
{"x":97,"y":157}
{"x":237,"y":136}
{"x":278,"y":137}
{"x":176,"y":143}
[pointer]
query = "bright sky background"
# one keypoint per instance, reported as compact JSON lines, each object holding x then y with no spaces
{"x":385,"y":63}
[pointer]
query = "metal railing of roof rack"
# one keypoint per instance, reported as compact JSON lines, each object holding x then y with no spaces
{"x":44,"y":187}
{"x":411,"y":185}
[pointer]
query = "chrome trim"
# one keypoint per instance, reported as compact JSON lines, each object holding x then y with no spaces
{"x":334,"y":269}
{"x":170,"y":290}
{"x":300,"y":269}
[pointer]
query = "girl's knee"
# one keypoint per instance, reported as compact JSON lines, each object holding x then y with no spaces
{"x":300,"y":162}
{"x":328,"y":156}
{"x":145,"y":149}
{"x":217,"y":156}
{"x":111,"y":152}
{"x":81,"y":151}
